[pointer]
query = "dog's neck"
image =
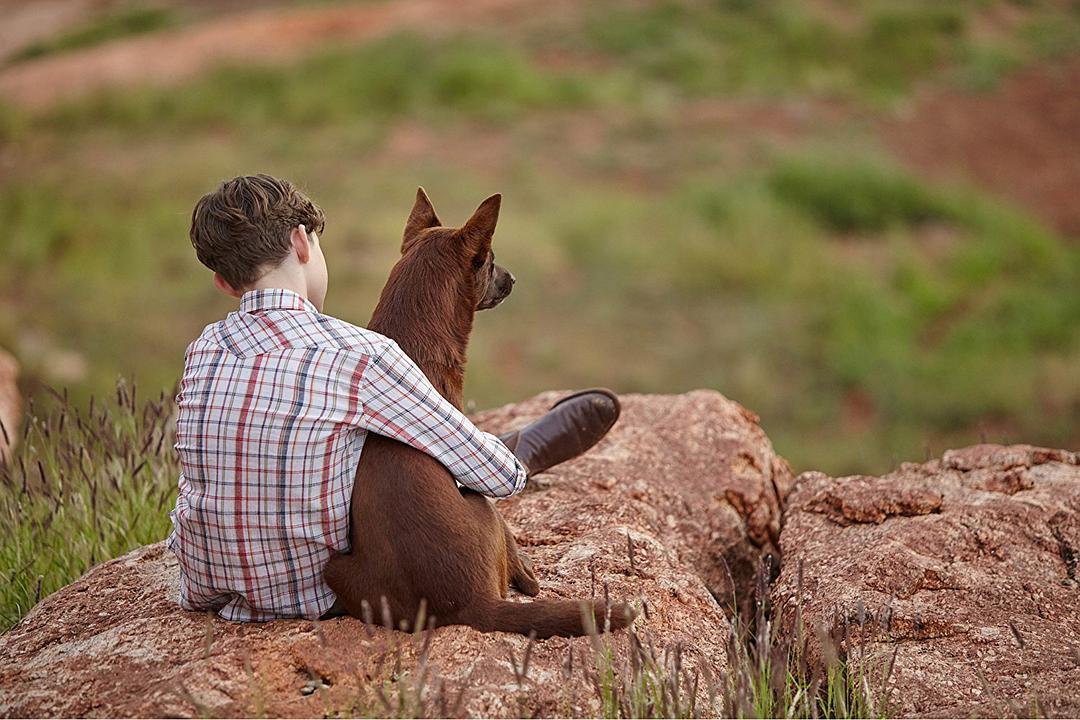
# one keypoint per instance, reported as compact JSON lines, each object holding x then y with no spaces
{"x":424,"y":310}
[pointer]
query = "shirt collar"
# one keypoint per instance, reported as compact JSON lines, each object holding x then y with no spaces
{"x":274,"y":299}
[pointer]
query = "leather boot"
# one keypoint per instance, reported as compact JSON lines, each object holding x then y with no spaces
{"x":572,"y":425}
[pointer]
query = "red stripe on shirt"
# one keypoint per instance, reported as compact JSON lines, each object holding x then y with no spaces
{"x":238,"y":477}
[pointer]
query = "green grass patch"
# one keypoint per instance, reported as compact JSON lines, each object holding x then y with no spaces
{"x":403,"y":75}
{"x":115,"y":23}
{"x":870,"y":51}
{"x":702,"y":49}
{"x":47,"y":228}
{"x":943,"y":340}
{"x":849,"y":197}
{"x":903,"y":42}
{"x":707,"y":49}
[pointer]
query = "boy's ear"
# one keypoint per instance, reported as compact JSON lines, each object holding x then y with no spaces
{"x":224,"y":286}
{"x":298,"y":236}
{"x":481,"y":226}
{"x":421,"y":218}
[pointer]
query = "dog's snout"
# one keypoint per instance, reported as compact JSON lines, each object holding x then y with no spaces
{"x":499,"y":287}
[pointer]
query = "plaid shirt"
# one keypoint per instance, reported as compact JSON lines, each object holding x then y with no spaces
{"x":273,"y":409}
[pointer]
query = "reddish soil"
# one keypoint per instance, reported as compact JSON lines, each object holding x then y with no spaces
{"x":259,"y":36}
{"x":742,"y":132}
{"x":1021,"y":141}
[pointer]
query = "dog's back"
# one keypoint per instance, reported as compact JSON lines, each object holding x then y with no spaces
{"x":416,"y":538}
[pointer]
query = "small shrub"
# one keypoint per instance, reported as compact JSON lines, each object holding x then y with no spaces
{"x":856,"y":197}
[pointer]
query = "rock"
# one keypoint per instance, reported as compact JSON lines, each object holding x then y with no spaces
{"x":10,"y":405}
{"x":697,"y":466}
{"x":645,"y":515}
{"x":960,"y":567}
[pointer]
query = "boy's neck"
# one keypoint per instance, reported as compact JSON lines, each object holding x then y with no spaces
{"x":278,"y":280}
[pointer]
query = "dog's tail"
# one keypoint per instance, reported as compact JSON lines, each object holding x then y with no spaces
{"x":547,"y":618}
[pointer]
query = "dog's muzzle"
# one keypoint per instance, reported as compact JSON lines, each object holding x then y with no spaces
{"x":498,"y":289}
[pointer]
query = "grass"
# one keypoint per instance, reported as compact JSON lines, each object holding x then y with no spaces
{"x":871,"y":52}
{"x":944,"y":311}
{"x":114,"y":23}
{"x":938,"y":307}
{"x":704,"y":49}
{"x":766,"y":675}
{"x":83,"y":487}
{"x":404,"y":75}
{"x":955,"y":339}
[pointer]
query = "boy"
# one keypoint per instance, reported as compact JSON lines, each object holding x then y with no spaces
{"x":275,"y":403}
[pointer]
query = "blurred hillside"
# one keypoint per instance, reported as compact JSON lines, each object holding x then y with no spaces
{"x":857,"y":218}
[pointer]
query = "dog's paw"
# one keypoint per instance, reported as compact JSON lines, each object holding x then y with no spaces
{"x":525,"y":579}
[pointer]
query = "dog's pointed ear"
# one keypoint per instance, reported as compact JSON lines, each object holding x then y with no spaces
{"x":481,"y":226}
{"x":421,"y":218}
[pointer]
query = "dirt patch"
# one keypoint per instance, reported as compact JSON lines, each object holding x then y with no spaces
{"x":606,"y":145}
{"x":1021,"y":141}
{"x":28,"y":21}
{"x":261,"y":36}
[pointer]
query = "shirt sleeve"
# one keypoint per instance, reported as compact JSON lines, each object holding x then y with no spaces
{"x":398,"y":401}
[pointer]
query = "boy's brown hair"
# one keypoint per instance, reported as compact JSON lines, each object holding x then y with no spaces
{"x":244,"y":225}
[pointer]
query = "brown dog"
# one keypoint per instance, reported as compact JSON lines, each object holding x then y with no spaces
{"x":416,"y":537}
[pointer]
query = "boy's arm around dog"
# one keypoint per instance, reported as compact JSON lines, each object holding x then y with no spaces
{"x":397,"y":400}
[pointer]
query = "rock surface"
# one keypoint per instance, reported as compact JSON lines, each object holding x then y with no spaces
{"x":10,"y":404}
{"x":964,"y":567}
{"x":683,"y":480}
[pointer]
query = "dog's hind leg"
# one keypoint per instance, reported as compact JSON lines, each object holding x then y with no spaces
{"x":521,"y":570}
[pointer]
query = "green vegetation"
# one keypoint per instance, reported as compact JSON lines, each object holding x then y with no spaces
{"x":83,"y":487}
{"x":873,"y":51}
{"x":855,"y":198}
{"x":706,"y":49}
{"x":405,"y":75}
{"x":114,"y":23}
